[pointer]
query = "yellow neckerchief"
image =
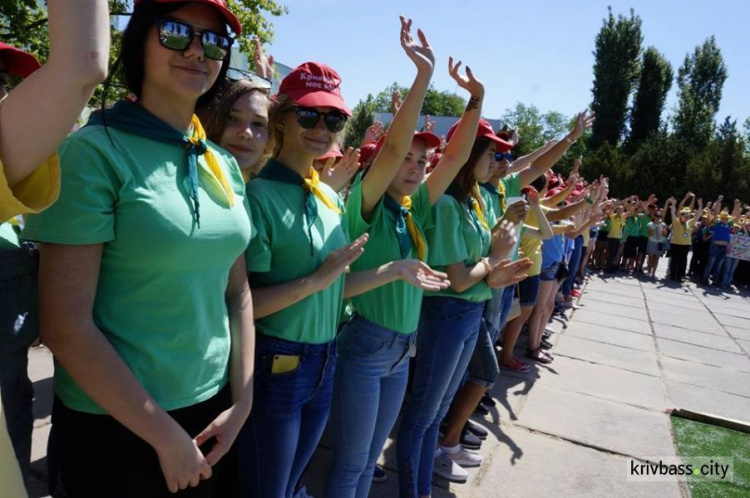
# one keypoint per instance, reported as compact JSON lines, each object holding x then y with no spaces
{"x":214,"y":174}
{"x":501,"y":192}
{"x":416,"y":236}
{"x":478,"y":211}
{"x":312,"y":185}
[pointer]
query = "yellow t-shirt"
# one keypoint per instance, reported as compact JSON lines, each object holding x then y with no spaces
{"x":34,"y":193}
{"x":615,"y":226}
{"x":681,"y":233}
{"x":532,"y":247}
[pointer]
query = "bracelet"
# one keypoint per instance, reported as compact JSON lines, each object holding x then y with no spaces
{"x":589,"y":201}
{"x":570,"y":140}
{"x":487,"y":265}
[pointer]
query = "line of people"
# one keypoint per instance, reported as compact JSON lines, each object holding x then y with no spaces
{"x":219,"y":280}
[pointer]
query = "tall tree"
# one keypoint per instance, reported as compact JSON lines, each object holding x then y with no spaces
{"x":617,"y":57}
{"x":436,"y":103}
{"x":700,"y":80}
{"x":648,"y":104}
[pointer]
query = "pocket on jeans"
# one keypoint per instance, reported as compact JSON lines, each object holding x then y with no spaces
{"x":363,"y":344}
{"x":264,"y":364}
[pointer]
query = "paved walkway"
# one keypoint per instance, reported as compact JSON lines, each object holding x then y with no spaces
{"x":634,"y":349}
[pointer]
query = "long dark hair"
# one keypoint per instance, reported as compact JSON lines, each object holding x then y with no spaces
{"x":465,"y":184}
{"x":130,"y":61}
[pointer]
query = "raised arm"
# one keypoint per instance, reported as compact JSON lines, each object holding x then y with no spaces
{"x":524,"y":161}
{"x":401,"y":131}
{"x":50,"y":100}
{"x":459,"y":148}
{"x":549,"y":158}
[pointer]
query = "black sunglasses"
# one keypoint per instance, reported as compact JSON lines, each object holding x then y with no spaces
{"x":307,"y":118}
{"x":178,"y":35}
{"x":499,"y":156}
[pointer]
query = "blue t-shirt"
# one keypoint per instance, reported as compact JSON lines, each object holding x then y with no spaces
{"x":552,"y":251}
{"x":721,"y":232}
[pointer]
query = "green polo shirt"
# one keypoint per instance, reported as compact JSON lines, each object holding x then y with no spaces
{"x":160,"y":297}
{"x":512,"y":185}
{"x":396,"y":305}
{"x":281,"y":251}
{"x":454,"y":238}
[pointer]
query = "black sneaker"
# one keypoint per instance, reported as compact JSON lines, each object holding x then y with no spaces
{"x":379,"y":474}
{"x":469,"y":440}
{"x":481,"y":410}
{"x":488,"y":401}
{"x":476,"y":429}
{"x":546,"y":344}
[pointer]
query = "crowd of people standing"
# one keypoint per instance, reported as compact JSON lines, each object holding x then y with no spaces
{"x":219,"y":281}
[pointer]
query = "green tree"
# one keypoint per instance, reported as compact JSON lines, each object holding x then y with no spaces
{"x":617,"y":57}
{"x":436,"y":103}
{"x":700,"y":80}
{"x":648,"y":104}
{"x":659,"y":167}
{"x":23,"y":23}
{"x":363,"y":115}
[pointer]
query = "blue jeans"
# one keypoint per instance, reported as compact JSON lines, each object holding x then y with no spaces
{"x":483,"y":368}
{"x":573,"y":264}
{"x":18,"y":298}
{"x":446,"y":338}
{"x":506,"y":303}
{"x":371,"y":376}
{"x":289,"y":415}
{"x":730,"y":265}
{"x":716,"y":254}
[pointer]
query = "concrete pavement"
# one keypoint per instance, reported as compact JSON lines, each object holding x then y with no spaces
{"x":633,"y":349}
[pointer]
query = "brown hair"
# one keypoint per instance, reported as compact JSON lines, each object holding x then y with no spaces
{"x":214,"y":114}
{"x":465,"y":182}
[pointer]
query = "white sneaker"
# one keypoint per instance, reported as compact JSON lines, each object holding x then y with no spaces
{"x":448,"y":469}
{"x":462,"y":456}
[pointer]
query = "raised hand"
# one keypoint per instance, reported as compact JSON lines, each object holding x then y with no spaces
{"x":508,"y":273}
{"x":338,"y":174}
{"x":584,"y":121}
{"x":263,"y":64}
{"x":517,"y":211}
{"x":467,"y":82}
{"x":421,"y":276}
{"x":429,"y":125}
{"x":396,"y":102}
{"x":515,"y":136}
{"x":576,"y":166}
{"x":503,"y":241}
{"x":374,"y":132}
{"x":420,"y":54}
{"x":337,"y":262}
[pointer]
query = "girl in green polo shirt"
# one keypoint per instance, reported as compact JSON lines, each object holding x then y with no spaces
{"x":393,"y":205}
{"x":146,"y":304}
{"x":296,"y":264}
{"x":464,"y":244}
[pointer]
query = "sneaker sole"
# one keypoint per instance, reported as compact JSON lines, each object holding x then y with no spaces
{"x":450,"y":477}
{"x":469,"y":465}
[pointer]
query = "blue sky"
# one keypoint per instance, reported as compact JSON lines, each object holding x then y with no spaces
{"x":529,"y":51}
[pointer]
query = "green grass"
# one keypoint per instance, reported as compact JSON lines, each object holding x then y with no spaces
{"x":695,"y":439}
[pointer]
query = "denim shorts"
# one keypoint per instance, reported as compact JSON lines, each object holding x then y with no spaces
{"x":549,"y":273}
{"x":528,"y":290}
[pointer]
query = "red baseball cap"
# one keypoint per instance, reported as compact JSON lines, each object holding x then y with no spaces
{"x":314,"y":85}
{"x":17,"y":62}
{"x":334,"y":152}
{"x":484,"y":131}
{"x":431,"y":140}
{"x":219,"y":5}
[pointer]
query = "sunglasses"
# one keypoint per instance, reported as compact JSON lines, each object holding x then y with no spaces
{"x":499,"y":156}
{"x":178,"y":35}
{"x":307,"y":118}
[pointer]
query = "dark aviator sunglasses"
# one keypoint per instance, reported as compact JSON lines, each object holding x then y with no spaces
{"x":307,"y":118}
{"x":178,"y":35}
